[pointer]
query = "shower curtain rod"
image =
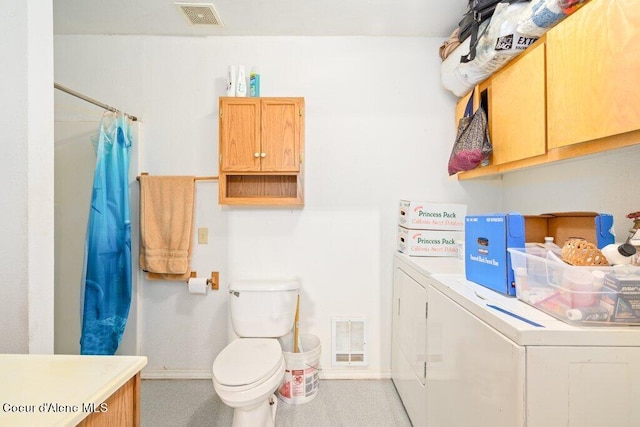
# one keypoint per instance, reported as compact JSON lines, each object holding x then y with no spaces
{"x":91,"y":100}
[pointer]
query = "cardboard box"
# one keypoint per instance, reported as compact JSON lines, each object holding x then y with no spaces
{"x":488,"y":237}
{"x":431,"y":216}
{"x":594,"y":227}
{"x":428,"y":242}
{"x":622,"y":296}
{"x":624,"y":282}
{"x":622,"y":307}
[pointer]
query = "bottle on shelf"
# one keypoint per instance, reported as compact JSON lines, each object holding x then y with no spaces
{"x":254,"y":82}
{"x":231,"y":81}
{"x":241,"y":86}
{"x":549,"y":244}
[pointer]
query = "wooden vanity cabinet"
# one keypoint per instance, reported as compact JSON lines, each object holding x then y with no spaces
{"x":261,"y":151}
{"x":121,"y":409}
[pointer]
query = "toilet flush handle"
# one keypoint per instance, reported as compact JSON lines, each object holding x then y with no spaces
{"x":234,"y":293}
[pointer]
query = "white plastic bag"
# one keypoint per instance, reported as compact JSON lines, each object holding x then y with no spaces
{"x":501,"y":42}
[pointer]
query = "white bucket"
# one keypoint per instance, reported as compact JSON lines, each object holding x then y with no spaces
{"x":300,"y":383}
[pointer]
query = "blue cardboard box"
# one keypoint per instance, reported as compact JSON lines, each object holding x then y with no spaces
{"x":487,"y":238}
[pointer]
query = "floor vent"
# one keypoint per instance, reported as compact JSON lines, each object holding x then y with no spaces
{"x":349,"y":341}
{"x":200,"y":13}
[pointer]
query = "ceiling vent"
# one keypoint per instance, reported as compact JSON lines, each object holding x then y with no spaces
{"x":200,"y":13}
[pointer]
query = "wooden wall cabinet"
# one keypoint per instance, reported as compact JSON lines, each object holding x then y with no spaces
{"x":517,"y":109}
{"x":593,"y":73}
{"x":261,"y":151}
{"x":575,"y":92}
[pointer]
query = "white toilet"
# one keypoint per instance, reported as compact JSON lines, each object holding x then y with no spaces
{"x":248,"y":371}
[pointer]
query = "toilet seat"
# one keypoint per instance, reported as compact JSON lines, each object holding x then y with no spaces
{"x":247,"y":362}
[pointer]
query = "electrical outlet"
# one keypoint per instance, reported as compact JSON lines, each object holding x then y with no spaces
{"x":203,"y":235}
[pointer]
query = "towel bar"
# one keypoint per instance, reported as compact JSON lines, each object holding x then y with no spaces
{"x":197,"y":178}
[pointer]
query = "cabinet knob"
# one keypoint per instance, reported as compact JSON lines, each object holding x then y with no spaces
{"x":263,"y":155}
{"x":256,"y":154}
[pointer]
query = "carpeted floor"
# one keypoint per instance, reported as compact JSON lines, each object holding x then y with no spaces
{"x":338,"y":403}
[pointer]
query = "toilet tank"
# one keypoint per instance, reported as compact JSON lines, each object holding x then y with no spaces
{"x":262,"y":308}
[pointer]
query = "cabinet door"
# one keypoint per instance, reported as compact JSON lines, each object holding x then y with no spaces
{"x":409,"y":343}
{"x":396,"y":367}
{"x":281,"y":118}
{"x":413,"y":325}
{"x":517,"y":109}
{"x":239,"y":134}
{"x":593,"y":73}
{"x":475,"y":375}
{"x":583,"y":386}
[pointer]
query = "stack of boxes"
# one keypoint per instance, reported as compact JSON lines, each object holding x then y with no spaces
{"x":430,"y":229}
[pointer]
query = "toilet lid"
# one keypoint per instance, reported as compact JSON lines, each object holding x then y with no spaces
{"x":247,"y":361}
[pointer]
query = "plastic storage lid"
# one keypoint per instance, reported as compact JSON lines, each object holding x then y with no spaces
{"x":247,"y":361}
{"x":264,"y":285}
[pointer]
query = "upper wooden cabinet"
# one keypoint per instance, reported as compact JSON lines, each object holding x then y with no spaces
{"x":593,"y":73}
{"x":261,"y":151}
{"x":239,"y":134}
{"x":260,"y":134}
{"x":575,"y":92}
{"x":517,"y":109}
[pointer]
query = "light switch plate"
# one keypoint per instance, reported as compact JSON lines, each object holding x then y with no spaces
{"x":203,"y":235}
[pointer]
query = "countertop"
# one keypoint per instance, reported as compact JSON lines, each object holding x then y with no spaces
{"x":526,"y":325}
{"x":59,"y":390}
{"x":520,"y":322}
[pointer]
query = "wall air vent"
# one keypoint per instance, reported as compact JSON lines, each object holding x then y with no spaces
{"x":349,"y":342}
{"x":200,"y":13}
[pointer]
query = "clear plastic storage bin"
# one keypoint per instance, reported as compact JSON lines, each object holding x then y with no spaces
{"x":605,"y":296}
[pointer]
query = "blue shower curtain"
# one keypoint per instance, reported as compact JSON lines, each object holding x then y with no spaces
{"x":106,"y":287}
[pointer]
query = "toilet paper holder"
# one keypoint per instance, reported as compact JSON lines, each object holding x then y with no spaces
{"x":212,"y":282}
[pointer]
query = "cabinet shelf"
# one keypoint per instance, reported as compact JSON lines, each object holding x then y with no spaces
{"x":255,"y":189}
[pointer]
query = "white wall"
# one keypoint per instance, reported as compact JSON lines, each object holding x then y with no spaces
{"x":26,"y":222}
{"x":13,"y":118}
{"x":605,"y":183}
{"x":378,"y":128}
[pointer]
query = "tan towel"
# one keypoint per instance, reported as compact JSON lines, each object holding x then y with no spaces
{"x":166,"y":226}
